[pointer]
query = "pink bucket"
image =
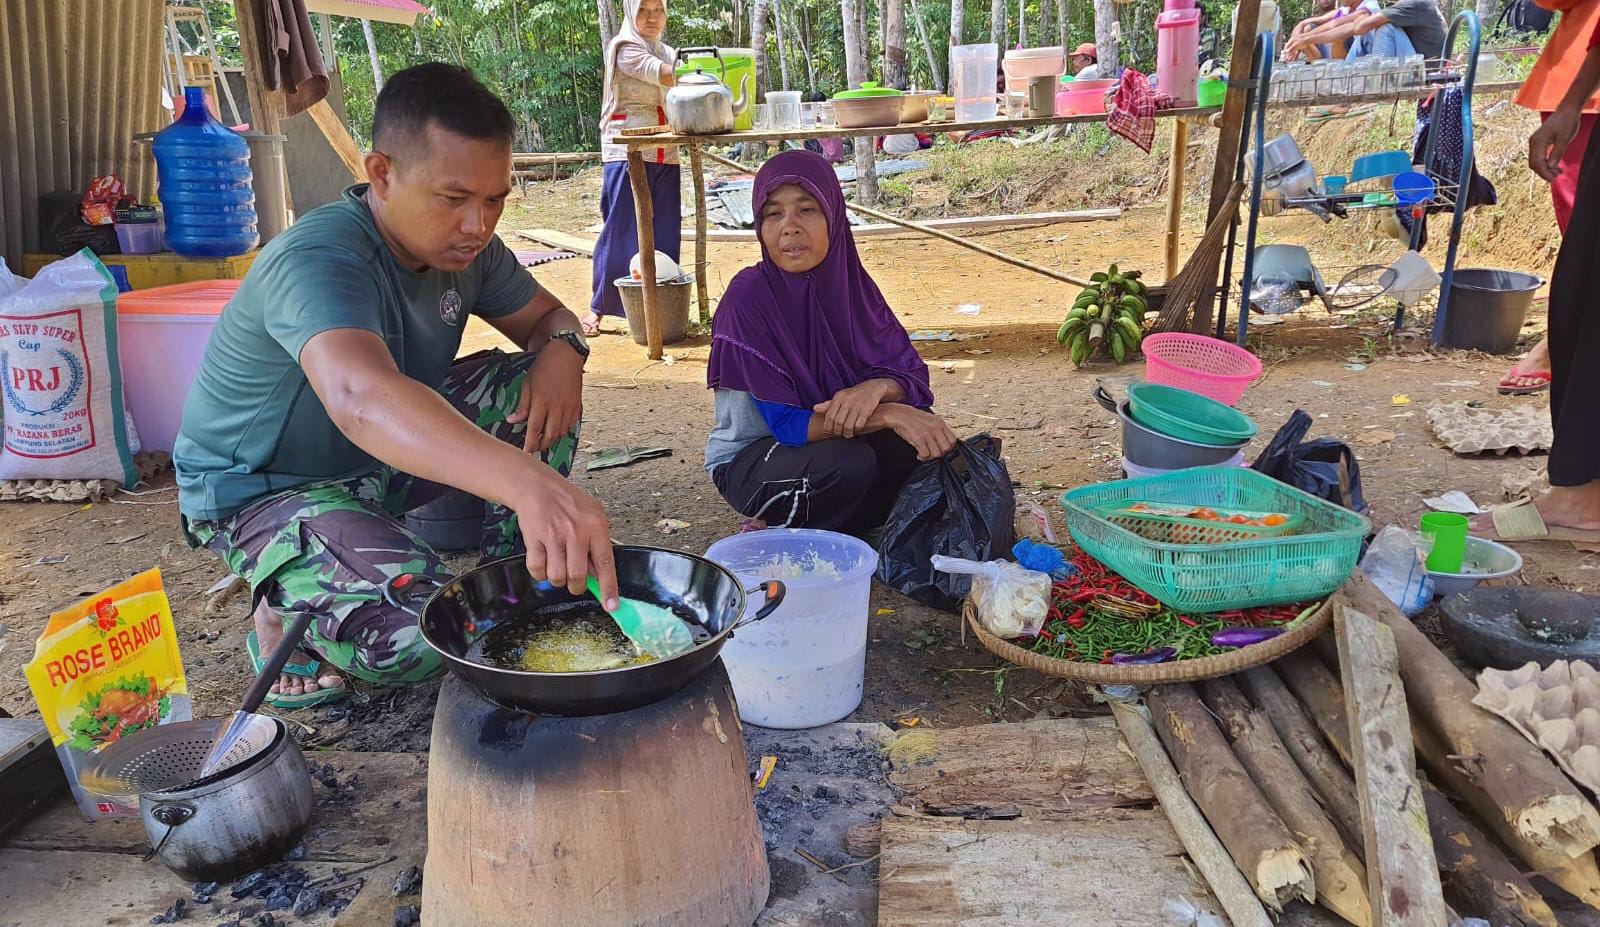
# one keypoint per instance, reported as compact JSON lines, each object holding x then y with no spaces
{"x":1199,"y":364}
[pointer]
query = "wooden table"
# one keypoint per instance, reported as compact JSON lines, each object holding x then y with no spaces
{"x":645,"y":212}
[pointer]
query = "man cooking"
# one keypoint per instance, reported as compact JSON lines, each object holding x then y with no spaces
{"x":330,"y":400}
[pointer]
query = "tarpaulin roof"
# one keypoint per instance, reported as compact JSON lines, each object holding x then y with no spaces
{"x":404,"y":12}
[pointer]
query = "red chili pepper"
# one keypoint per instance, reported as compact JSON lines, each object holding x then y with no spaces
{"x":1075,"y":620}
{"x":1188,"y":621}
{"x":1107,"y":657}
{"x":1046,"y":635}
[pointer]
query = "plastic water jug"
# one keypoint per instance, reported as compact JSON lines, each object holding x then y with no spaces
{"x":205,"y":188}
{"x":975,"y":70}
{"x":1178,"y":55}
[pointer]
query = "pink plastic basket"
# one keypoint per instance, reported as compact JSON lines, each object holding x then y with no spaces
{"x":1200,"y":364}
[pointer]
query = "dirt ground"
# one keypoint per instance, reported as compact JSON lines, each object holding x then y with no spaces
{"x":1005,"y":375}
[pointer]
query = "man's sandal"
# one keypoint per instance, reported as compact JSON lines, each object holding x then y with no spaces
{"x":310,"y":669}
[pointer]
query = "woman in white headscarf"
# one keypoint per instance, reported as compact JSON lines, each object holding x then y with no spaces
{"x":638,"y":73}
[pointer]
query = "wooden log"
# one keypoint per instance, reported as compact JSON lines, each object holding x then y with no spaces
{"x":338,"y":136}
{"x":1233,"y":893}
{"x":1299,"y":735}
{"x":1256,"y":838}
{"x":1476,"y":874}
{"x":863,"y":841}
{"x":1402,"y":872}
{"x":1577,"y":874}
{"x":970,"y":245}
{"x":1543,"y":806}
{"x":577,"y":244}
{"x":697,"y":171}
{"x":644,"y":212}
{"x":1340,"y":877}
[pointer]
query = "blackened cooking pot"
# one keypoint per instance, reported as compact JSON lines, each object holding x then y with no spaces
{"x":700,"y":592}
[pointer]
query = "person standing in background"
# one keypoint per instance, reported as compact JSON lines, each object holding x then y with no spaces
{"x":1550,"y":79}
{"x":638,"y":73}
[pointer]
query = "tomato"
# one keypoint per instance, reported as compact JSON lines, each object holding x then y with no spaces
{"x":1238,"y":520}
{"x":1273,"y":521}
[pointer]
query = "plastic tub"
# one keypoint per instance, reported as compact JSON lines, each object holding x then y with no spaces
{"x":1487,"y":308}
{"x":1212,"y":92}
{"x":139,"y":238}
{"x":803,"y":665}
{"x":1081,"y":101}
{"x":972,"y":79}
{"x":1200,"y":364}
{"x":1178,"y":55}
{"x":1023,"y":64}
{"x":1146,"y":447}
{"x":1188,"y":416}
{"x":161,"y":337}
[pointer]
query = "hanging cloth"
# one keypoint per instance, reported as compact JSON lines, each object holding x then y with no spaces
{"x":1442,"y":113}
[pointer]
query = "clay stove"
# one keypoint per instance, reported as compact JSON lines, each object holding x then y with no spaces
{"x":644,"y":817}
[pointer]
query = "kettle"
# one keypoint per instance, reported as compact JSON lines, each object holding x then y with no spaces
{"x":700,"y":104}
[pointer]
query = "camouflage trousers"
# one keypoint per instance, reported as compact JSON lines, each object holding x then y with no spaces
{"x":328,"y":548}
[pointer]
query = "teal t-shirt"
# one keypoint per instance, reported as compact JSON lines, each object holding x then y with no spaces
{"x":252,"y":425}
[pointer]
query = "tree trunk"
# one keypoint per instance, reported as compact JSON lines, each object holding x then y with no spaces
{"x":608,"y":22}
{"x":958,"y":29}
{"x":803,"y":36}
{"x":935,"y":76}
{"x":1105,"y":36}
{"x":1064,"y":25}
{"x":866,"y":39}
{"x":783,"y":46}
{"x":1022,"y":23}
{"x":855,"y":62}
{"x":894,"y":45}
{"x":1487,"y":9}
{"x":997,"y":22}
{"x":758,"y":44}
{"x":372,"y":55}
{"x":1044,"y":22}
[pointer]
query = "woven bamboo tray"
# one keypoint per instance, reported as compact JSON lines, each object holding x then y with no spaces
{"x":1154,"y":673}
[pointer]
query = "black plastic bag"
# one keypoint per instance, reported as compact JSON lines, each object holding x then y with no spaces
{"x":1312,"y":466}
{"x":961,"y":505}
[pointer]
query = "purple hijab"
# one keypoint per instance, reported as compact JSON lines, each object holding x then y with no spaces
{"x":797,"y":339}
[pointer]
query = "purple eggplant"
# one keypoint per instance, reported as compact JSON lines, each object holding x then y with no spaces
{"x":1158,"y":655}
{"x":1243,"y":637}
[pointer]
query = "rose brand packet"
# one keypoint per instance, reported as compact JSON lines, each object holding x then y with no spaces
{"x":104,"y":669}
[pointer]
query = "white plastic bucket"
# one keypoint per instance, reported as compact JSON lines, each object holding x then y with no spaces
{"x":803,"y":665}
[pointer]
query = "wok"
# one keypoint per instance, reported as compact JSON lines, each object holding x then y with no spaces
{"x":704,"y":594}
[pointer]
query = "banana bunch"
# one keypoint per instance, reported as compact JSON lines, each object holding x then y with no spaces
{"x":1106,"y":318}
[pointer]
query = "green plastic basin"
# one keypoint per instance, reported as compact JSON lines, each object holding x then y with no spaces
{"x":1188,"y":416}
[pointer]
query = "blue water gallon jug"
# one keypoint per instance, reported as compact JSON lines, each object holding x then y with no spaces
{"x":204,"y":172}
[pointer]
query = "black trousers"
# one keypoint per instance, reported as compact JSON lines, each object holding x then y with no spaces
{"x":1575,"y":337}
{"x":842,"y":484}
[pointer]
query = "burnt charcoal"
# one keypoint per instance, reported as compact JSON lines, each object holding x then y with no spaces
{"x":250,"y":910}
{"x":408,"y":882}
{"x":825,"y":792}
{"x":177,"y":912}
{"x":342,"y":898}
{"x":279,"y":900}
{"x":203,"y":889}
{"x":407,"y":916}
{"x":307,"y":902}
{"x":266,"y":920}
{"x":297,"y":854}
{"x":230,"y":924}
{"x":247,"y":885}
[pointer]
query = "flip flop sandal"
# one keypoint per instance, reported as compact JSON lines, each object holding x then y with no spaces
{"x":1508,"y":388}
{"x":1523,"y":522}
{"x":310,"y":669}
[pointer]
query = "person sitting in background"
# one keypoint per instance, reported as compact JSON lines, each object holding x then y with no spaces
{"x":1328,"y":11}
{"x":1085,"y":63}
{"x":822,"y":402}
{"x":1403,"y":28}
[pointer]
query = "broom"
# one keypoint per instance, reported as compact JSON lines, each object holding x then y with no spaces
{"x":1199,"y":273}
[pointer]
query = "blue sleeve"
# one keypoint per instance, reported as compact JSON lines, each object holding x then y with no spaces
{"x":789,"y":424}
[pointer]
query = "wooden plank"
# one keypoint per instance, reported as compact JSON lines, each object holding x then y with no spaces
{"x":577,"y":244}
{"x":266,"y":106}
{"x":1011,"y":769}
{"x":963,"y":223}
{"x":1209,"y":855}
{"x":553,"y":157}
{"x":697,"y":173}
{"x":1178,"y":158}
{"x":1231,"y":129}
{"x":338,"y":136}
{"x":1402,"y":872}
{"x":1114,"y":866}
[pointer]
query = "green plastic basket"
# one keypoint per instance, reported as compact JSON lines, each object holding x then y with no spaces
{"x":1218,"y":577}
{"x":1178,"y":413}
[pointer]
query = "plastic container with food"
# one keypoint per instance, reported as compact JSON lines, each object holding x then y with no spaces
{"x":871,"y":105}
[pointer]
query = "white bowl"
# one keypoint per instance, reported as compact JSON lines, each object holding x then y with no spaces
{"x":1483,"y":559}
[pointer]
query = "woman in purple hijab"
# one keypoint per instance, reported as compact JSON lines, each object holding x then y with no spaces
{"x":823,"y":404}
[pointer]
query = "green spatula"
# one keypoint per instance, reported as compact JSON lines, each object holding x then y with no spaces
{"x":653,"y":629}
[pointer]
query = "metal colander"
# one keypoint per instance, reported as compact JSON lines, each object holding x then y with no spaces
{"x":170,"y":756}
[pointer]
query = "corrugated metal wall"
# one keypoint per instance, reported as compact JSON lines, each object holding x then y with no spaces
{"x":78,"y":78}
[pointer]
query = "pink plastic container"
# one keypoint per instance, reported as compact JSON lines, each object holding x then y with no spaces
{"x":1083,"y":97}
{"x":1199,"y":364}
{"x":161,"y":336}
{"x":1178,"y":55}
{"x":1171,"y":5}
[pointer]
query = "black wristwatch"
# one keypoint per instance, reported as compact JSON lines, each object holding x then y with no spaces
{"x":575,"y":338}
